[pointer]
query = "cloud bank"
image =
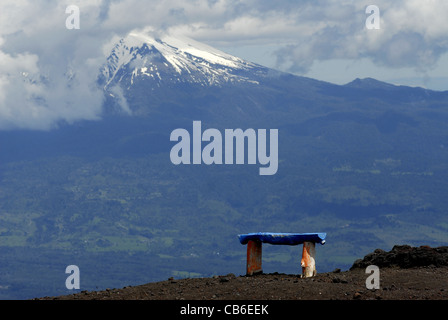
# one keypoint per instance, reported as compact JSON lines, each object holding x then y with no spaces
{"x":48,"y":73}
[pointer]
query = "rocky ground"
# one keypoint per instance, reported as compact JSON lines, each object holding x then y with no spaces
{"x":406,"y":273}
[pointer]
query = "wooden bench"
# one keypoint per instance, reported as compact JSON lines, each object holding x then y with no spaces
{"x":254,"y":249}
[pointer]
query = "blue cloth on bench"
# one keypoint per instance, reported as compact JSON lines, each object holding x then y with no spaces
{"x":283,"y":238}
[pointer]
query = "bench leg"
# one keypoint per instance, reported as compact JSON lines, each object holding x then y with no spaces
{"x":253,"y":264}
{"x":308,"y":262}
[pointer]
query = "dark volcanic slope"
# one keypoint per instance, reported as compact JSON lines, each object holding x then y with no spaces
{"x":406,"y":257}
{"x":406,"y":273}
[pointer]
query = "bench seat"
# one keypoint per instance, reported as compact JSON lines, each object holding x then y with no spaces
{"x":291,"y":239}
{"x":254,"y":243}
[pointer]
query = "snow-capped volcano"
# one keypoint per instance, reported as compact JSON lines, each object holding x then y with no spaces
{"x":169,"y":60}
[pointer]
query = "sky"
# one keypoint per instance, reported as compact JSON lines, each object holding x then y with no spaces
{"x":46,"y":69}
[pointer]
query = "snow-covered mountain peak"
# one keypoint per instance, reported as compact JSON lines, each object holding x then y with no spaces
{"x":179,"y":46}
{"x":172,"y":59}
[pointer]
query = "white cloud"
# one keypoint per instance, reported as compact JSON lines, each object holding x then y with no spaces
{"x":412,"y":33}
{"x":45,"y":72}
